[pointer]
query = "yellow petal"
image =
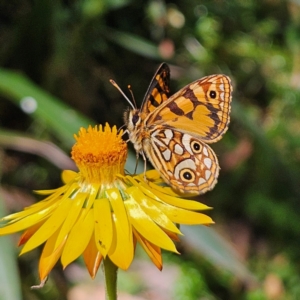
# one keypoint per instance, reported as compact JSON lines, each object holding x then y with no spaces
{"x":151,"y":210}
{"x":92,"y":195}
{"x":146,"y":227}
{"x":156,"y":193}
{"x":49,"y":192}
{"x":153,"y":251}
{"x":182,"y":216}
{"x":49,"y":256}
{"x":152,"y":175}
{"x":92,"y":258}
{"x":24,"y":223}
{"x":71,"y":216}
{"x":116,"y":200}
{"x":68,"y":175}
{"x":78,"y":238}
{"x":122,"y":254}
{"x":47,"y":204}
{"x":118,"y":208}
{"x":173,"y":236}
{"x":103,"y":225}
{"x":29,"y":233}
{"x":43,"y":207}
{"x":49,"y":227}
{"x":180,"y":202}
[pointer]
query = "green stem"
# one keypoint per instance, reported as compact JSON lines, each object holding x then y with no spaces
{"x":110,"y":273}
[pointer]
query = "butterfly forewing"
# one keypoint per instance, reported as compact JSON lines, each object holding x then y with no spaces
{"x":201,"y":108}
{"x":158,"y":90}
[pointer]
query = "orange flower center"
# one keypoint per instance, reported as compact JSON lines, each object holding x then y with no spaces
{"x":100,"y":154}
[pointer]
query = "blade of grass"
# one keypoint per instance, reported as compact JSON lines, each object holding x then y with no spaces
{"x":133,"y":43}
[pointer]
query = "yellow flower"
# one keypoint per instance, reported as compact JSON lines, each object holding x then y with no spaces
{"x":102,"y":212}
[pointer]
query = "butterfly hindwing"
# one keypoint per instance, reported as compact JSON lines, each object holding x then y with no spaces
{"x":185,"y":162}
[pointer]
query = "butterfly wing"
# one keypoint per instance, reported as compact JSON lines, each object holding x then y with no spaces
{"x":158,"y":90}
{"x":201,"y":109}
{"x":185,"y":162}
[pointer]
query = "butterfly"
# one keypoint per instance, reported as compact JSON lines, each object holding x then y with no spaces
{"x":173,"y":132}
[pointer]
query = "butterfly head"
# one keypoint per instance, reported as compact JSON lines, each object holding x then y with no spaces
{"x":132,"y":119}
{"x":133,"y":122}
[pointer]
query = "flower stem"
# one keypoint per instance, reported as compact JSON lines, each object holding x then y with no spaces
{"x":110,"y":273}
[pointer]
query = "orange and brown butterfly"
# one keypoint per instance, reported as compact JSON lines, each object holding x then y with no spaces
{"x":173,"y":131}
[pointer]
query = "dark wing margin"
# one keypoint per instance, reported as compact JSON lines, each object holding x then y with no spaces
{"x":158,"y":90}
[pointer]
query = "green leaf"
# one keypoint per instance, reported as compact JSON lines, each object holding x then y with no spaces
{"x":205,"y":241}
{"x":60,"y":118}
{"x":9,"y":276}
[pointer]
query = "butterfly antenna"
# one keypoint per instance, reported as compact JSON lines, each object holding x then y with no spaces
{"x":132,"y":96}
{"x":119,"y":89}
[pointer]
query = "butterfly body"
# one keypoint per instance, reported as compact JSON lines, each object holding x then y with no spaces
{"x":173,"y":131}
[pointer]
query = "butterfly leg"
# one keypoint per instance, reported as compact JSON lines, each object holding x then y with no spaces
{"x":136,"y":162}
{"x":145,"y":166}
{"x":126,"y":131}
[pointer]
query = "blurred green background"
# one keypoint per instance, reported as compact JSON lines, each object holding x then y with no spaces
{"x":56,"y":59}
